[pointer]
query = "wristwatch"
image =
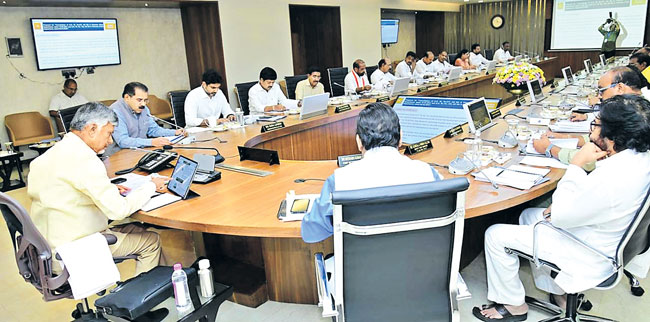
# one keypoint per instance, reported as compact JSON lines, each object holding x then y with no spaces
{"x":548,"y":150}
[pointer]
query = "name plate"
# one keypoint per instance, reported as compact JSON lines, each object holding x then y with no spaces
{"x":419,"y":147}
{"x":272,"y":126}
{"x":344,"y":160}
{"x":382,"y":99}
{"x":521,"y":101}
{"x":458,"y":129}
{"x":496,"y":113}
{"x":342,"y":108}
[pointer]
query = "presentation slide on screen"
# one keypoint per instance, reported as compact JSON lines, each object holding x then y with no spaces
{"x":423,"y":118}
{"x":389,"y":31}
{"x":62,"y":43}
{"x":576,"y":22}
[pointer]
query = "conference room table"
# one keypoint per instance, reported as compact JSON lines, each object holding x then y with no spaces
{"x":238,"y":213}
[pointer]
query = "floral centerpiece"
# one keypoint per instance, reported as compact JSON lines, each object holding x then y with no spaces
{"x":514,"y":76}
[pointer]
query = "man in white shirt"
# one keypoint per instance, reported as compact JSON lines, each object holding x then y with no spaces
{"x":357,"y":81}
{"x":502,"y":55}
{"x":423,"y":68}
{"x":382,"y":77}
{"x":73,"y":197}
{"x":595,"y":207}
{"x":266,"y":95}
{"x":405,"y":67}
{"x":68,"y":97}
{"x":207,"y":101}
{"x":475,"y":57}
{"x":441,"y":65}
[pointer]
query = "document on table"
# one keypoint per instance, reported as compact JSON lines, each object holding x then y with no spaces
{"x":196,"y":129}
{"x":520,"y":177}
{"x":160,"y":200}
{"x":571,"y":143}
{"x":133,"y":181}
{"x":571,"y":127}
{"x":543,"y":162}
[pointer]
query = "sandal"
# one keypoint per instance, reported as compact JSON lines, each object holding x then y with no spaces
{"x":506,"y":316}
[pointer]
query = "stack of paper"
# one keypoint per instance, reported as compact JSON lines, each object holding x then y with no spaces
{"x":543,"y":162}
{"x":516,"y":176}
{"x":571,"y":143}
{"x":571,"y":127}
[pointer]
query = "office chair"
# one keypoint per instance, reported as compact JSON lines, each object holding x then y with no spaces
{"x":28,"y":128}
{"x":64,"y":117}
{"x":452,"y":58}
{"x":108,"y":102}
{"x":177,"y":100}
{"x":337,"y":80}
{"x":397,"y":253}
{"x":489,"y":54}
{"x":241,"y":90}
{"x":160,"y":108}
{"x":292,"y":82}
{"x":370,"y":70}
{"x":633,"y":243}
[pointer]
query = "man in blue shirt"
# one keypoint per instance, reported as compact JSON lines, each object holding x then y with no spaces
{"x":378,"y":137}
{"x":136,"y":128}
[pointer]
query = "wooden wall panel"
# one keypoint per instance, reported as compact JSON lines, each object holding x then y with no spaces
{"x":429,"y":32}
{"x":203,"y":42}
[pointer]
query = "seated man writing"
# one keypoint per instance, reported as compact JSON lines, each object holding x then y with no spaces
{"x":72,"y":196}
{"x":597,"y":208}
{"x":378,"y":137}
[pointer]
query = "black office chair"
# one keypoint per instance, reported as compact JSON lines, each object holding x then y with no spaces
{"x":337,"y":80}
{"x":65,"y":116}
{"x":370,"y":70}
{"x":292,"y":81}
{"x":489,"y":54}
{"x":397,"y":253}
{"x":177,"y":100}
{"x":241,"y":90}
{"x":634,"y":242}
{"x":452,"y":59}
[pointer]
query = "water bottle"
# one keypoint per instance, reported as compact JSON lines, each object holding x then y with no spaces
{"x":205,"y":278}
{"x":181,"y":290}
{"x":239,"y":114}
{"x":478,"y":148}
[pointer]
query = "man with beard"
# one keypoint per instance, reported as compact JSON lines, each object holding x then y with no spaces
{"x":311,"y":85}
{"x":357,"y":81}
{"x":207,"y":101}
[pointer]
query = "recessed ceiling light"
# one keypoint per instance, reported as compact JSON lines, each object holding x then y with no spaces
{"x":146,"y":4}
{"x":4,"y":2}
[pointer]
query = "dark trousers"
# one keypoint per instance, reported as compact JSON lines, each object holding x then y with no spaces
{"x":609,"y":53}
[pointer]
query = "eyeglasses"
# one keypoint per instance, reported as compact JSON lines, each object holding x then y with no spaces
{"x":601,"y":90}
{"x":593,"y":125}
{"x":71,"y":89}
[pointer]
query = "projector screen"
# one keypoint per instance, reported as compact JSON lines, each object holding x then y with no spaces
{"x":66,"y":43}
{"x":389,"y":31}
{"x":576,"y":22}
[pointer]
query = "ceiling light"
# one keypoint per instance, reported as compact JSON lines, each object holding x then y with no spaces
{"x":146,"y":4}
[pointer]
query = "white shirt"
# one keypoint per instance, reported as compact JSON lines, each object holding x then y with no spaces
{"x":422,"y":69}
{"x":380,"y":79}
{"x":259,"y":98}
{"x":403,"y":70}
{"x":502,"y":56}
{"x":477,"y":59}
{"x":353,"y":81}
{"x":199,"y":106}
{"x":439,"y":67}
{"x":61,"y":100}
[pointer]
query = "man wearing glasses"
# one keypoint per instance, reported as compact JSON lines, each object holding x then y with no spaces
{"x":617,"y":81}
{"x":136,"y":128}
{"x":68,"y":97}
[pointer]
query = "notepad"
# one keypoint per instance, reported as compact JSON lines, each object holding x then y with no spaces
{"x":159,"y":201}
{"x":543,"y":162}
{"x":570,"y":127}
{"x":520,"y":177}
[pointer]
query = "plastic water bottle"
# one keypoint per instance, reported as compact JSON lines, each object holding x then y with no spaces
{"x":205,"y":278}
{"x":181,"y":290}
{"x":478,"y":148}
{"x":239,"y":114}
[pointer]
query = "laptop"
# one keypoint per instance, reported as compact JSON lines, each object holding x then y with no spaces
{"x":400,"y":85}
{"x":182,"y":178}
{"x":491,"y":66}
{"x":588,"y":66}
{"x":454,"y":73}
{"x":535,"y":90}
{"x":314,"y":105}
{"x":478,"y":116}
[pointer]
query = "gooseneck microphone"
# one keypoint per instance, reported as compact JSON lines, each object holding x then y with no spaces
{"x":166,"y":122}
{"x":218,"y":158}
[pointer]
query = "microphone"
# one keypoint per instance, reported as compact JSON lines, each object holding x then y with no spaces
{"x":301,"y":180}
{"x":141,"y":161}
{"x":494,"y":185}
{"x":217,"y":158}
{"x":168,"y":123}
{"x":339,"y":85}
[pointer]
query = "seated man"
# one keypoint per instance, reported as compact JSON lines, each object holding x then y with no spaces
{"x":502,"y":55}
{"x":136,"y":127}
{"x":72,"y":196}
{"x":207,"y":101}
{"x":357,"y":81}
{"x":617,"y":81}
{"x":475,"y":57}
{"x":642,"y":62}
{"x":378,"y":137}
{"x":597,"y":208}
{"x":68,"y":97}
{"x":423,"y":67}
{"x":381,"y":78}
{"x":311,"y":85}
{"x":441,"y":65}
{"x":266,"y":95}
{"x":406,"y":66}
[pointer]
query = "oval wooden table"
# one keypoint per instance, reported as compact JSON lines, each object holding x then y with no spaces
{"x":238,"y":214}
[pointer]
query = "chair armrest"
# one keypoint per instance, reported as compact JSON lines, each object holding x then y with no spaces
{"x":324,"y":293}
{"x":571,"y":237}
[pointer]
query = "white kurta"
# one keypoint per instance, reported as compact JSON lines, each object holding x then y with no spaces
{"x":380,"y":79}
{"x":259,"y":98}
{"x":502,"y":56}
{"x":403,"y":70}
{"x":422,"y":69}
{"x":439,"y":67}
{"x":477,"y":59}
{"x":354,"y":81}
{"x":597,"y":208}
{"x":61,"y":100}
{"x":199,"y":106}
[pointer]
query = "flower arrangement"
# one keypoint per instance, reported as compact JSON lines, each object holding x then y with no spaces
{"x":515,"y":75}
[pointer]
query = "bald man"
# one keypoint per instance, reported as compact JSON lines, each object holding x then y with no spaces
{"x":357,"y":81}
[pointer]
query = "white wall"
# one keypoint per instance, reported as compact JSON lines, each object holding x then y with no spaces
{"x":256,"y":33}
{"x":151,"y":45}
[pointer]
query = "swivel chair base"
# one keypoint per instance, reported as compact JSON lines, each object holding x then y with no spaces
{"x":574,"y":301}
